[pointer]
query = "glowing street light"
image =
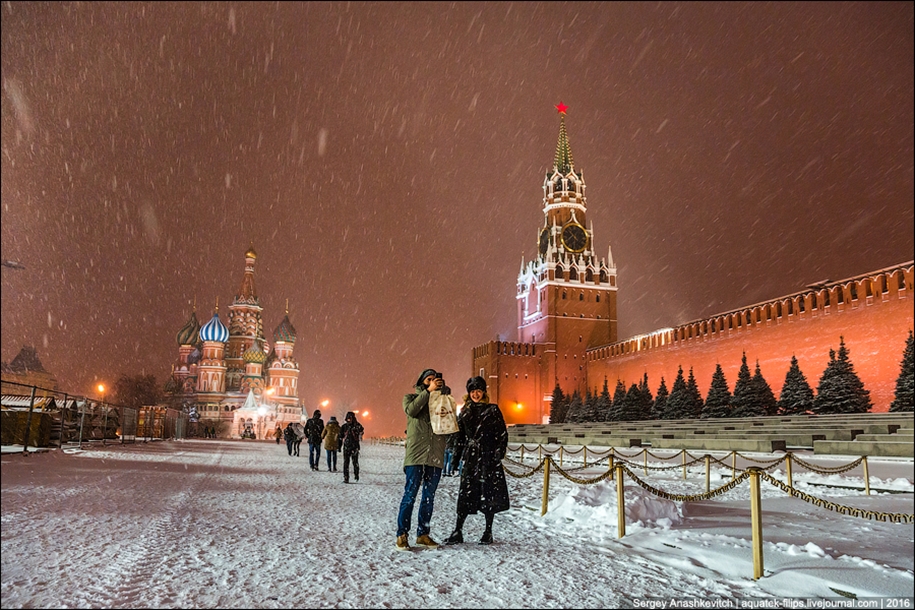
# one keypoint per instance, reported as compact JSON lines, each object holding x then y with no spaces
{"x":325,"y":403}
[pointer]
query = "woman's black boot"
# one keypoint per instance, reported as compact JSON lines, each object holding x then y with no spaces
{"x":487,"y":537}
{"x":456,"y":537}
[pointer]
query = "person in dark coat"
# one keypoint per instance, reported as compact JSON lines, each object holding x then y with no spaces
{"x":313,"y":429}
{"x":480,"y":443}
{"x":289,"y":437}
{"x":351,"y":433}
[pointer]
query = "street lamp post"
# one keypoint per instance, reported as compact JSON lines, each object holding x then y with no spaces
{"x":101,"y":391}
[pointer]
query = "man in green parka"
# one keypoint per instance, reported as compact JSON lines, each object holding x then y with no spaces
{"x":423,"y":461}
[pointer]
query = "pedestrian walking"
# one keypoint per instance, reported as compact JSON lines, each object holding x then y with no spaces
{"x":331,"y":436}
{"x":448,"y":468}
{"x":289,"y":437}
{"x":313,"y":429}
{"x":278,"y":434}
{"x":480,"y":444}
{"x":423,"y":460}
{"x":351,"y":433}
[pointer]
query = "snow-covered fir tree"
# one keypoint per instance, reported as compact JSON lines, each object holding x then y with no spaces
{"x":718,"y":400}
{"x":796,"y":397}
{"x":558,"y":406}
{"x":694,"y":406}
{"x":903,"y":398}
{"x":660,"y":401}
{"x":763,"y":394}
{"x":678,"y":406}
{"x":631,"y":408}
{"x":619,"y":395}
{"x":575,"y":408}
{"x":604,"y":403}
{"x":840,"y":389}
{"x":647,"y":400}
{"x":743,"y":392}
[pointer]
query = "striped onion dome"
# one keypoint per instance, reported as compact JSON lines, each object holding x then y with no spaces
{"x":285,"y":331}
{"x":255,"y":354}
{"x":214,"y":330}
{"x":188,"y":333}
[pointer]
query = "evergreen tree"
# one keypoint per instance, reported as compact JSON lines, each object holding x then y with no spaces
{"x":840,"y":389}
{"x":604,"y":403}
{"x":660,"y":402}
{"x":693,"y":397}
{"x":647,"y":400}
{"x":678,"y":401}
{"x":575,"y":407}
{"x":743,"y":398}
{"x":797,"y":395}
{"x":718,"y":400}
{"x":762,"y":393}
{"x":903,"y":399}
{"x":619,"y":395}
{"x":589,"y":412}
{"x":557,"y":406}
{"x":631,"y":408}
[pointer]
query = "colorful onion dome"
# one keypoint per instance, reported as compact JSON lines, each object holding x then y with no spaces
{"x":188,"y":333}
{"x":285,"y":331}
{"x":255,"y":354}
{"x":214,"y":330}
{"x":251,"y":253}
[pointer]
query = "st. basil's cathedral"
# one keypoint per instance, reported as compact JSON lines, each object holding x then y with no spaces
{"x":230,"y":375}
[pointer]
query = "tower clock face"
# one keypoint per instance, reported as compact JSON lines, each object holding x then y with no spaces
{"x":574,"y":237}
{"x":544,"y":241}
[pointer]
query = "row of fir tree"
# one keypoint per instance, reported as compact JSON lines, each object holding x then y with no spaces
{"x":840,"y":390}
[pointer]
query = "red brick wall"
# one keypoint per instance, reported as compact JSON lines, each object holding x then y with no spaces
{"x":875,"y":335}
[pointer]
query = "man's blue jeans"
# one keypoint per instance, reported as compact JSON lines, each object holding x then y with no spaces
{"x":428,"y":477}
{"x":314,"y":454}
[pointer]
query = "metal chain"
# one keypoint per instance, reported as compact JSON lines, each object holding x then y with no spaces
{"x":689,"y":498}
{"x":676,"y":466}
{"x":827,"y":469}
{"x":661,"y":457}
{"x":579,"y":481}
{"x":844,"y":510}
{"x":755,"y":461}
{"x":533,"y":471}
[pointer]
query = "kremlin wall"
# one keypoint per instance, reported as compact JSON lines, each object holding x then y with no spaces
{"x":873,"y":312}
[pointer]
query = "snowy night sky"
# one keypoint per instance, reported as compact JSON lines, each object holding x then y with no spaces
{"x":386,"y":161}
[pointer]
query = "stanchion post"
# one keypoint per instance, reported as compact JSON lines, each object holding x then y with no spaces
{"x":611,"y":464}
{"x":683,"y":453}
{"x":620,"y":502}
{"x":708,"y":483}
{"x":28,"y":424}
{"x":756,"y":522}
{"x":788,"y":470}
{"x":733,"y":465}
{"x":522,"y":453}
{"x":867,"y":479}
{"x":560,"y":456}
{"x":539,"y":451}
{"x":546,"y":486}
{"x":585,"y":458}
{"x":646,"y":461}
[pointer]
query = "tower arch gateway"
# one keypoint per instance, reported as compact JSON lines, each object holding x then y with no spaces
{"x":566,"y":299}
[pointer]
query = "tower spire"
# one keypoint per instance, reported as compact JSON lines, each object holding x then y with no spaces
{"x":563,"y":162}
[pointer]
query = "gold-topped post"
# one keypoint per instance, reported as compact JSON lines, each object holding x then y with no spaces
{"x":756,"y":522}
{"x":620,"y":502}
{"x":546,"y":486}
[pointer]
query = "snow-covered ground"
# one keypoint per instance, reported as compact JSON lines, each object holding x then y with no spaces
{"x":235,"y":524}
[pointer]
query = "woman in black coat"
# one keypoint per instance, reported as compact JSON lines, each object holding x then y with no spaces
{"x":480,"y":443}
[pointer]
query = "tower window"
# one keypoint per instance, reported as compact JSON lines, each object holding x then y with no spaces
{"x":573,"y":274}
{"x":581,"y":297}
{"x":563,"y":295}
{"x":597,"y":298}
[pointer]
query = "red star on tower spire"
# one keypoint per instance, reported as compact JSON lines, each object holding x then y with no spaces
{"x":561,"y":108}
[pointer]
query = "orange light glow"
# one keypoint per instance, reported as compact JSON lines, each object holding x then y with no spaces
{"x":325,"y":403}
{"x":365,"y":414}
{"x":101,"y":388}
{"x":519,"y":406}
{"x":271,"y":390}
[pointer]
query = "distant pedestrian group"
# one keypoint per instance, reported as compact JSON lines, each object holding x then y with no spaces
{"x":332,"y":438}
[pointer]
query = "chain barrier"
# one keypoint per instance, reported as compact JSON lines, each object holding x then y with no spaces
{"x":675,"y":467}
{"x":755,"y":461}
{"x":839,"y":508}
{"x":533,"y":471}
{"x":661,"y":457}
{"x":827,"y":469}
{"x":597,"y":479}
{"x":743,"y":476}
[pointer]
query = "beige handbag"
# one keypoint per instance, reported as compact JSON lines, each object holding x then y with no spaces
{"x":442,"y":413}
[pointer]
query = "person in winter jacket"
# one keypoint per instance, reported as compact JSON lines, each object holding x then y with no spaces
{"x":424,"y":454}
{"x":331,"y":436}
{"x":313,"y":429}
{"x":351,"y":433}
{"x":289,"y":437}
{"x":481,"y":442}
{"x":278,"y":434}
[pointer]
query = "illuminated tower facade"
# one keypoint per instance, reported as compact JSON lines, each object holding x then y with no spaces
{"x":246,"y":326}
